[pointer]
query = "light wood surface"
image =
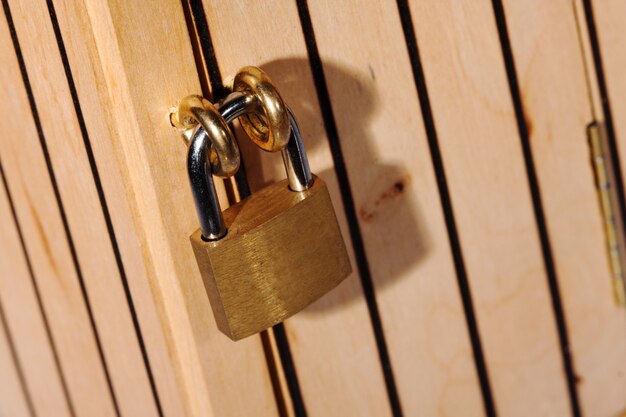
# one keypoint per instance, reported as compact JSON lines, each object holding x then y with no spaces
{"x":126,"y":89}
{"x":396,"y":196}
{"x":13,"y":400}
{"x":47,"y":245}
{"x":482,"y":154}
{"x":75,"y":28}
{"x":105,"y":292}
{"x":551,"y":72}
{"x":25,"y":321}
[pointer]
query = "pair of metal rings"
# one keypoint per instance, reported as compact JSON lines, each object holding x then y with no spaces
{"x":262,"y":112}
{"x":212,"y":149}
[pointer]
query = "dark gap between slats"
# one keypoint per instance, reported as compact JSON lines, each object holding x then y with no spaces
{"x":446,"y":204}
{"x":53,"y":181}
{"x":606,"y":105}
{"x":348,"y":202}
{"x":7,"y":329}
{"x":272,"y":368}
{"x":509,"y":62}
{"x":105,"y":209}
{"x":196,"y":18}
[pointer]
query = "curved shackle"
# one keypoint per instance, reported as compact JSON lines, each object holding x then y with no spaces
{"x":200,"y":171}
{"x":296,"y":163}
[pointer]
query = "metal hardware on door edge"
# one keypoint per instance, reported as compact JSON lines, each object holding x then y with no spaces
{"x":613,"y":222}
{"x":272,"y":254}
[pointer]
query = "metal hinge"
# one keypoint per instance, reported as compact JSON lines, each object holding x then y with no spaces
{"x":611,"y":213}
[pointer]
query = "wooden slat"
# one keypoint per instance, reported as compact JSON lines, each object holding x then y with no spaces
{"x":13,"y":398}
{"x":332,"y":342}
{"x":75,"y":28}
{"x":126,"y":89}
{"x":47,"y":245}
{"x":24,"y":317}
{"x":551,"y":71}
{"x":83,"y":209}
{"x":397,"y":200}
{"x":480,"y":145}
{"x":588,"y":55}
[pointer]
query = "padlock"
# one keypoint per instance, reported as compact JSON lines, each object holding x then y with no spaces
{"x":282,"y":248}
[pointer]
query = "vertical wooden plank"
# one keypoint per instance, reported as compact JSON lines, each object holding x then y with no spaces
{"x":484,"y":164}
{"x":393,"y":184}
{"x":126,"y":89}
{"x":332,"y":342}
{"x":13,"y":398}
{"x":84,"y":210}
{"x":557,"y":105}
{"x":47,"y":244}
{"x":23,"y":314}
{"x":551,"y":71}
{"x":75,"y":29}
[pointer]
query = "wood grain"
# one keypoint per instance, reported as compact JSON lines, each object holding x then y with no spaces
{"x":47,"y":245}
{"x":126,"y":90}
{"x":551,"y":71}
{"x":332,"y":342}
{"x":13,"y":400}
{"x":480,"y":145}
{"x":83,"y":209}
{"x":25,"y":321}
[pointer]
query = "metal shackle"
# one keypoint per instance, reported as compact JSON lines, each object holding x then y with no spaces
{"x":294,"y":156}
{"x":200,"y":168}
{"x":295,"y":159}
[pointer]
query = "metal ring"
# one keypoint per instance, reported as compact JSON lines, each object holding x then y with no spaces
{"x":268,"y":125}
{"x":194,"y":110}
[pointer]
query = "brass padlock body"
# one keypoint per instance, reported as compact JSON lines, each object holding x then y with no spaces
{"x":283,"y":250}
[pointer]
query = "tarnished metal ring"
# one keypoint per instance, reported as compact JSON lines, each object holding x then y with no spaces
{"x":268,"y":125}
{"x":194,"y":110}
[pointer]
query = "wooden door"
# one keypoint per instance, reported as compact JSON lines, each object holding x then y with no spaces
{"x":453,"y":137}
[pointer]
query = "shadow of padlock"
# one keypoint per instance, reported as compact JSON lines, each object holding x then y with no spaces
{"x":272,"y":254}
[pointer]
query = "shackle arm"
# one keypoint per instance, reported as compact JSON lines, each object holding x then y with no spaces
{"x":202,"y":186}
{"x":200,"y":170}
{"x":295,"y":159}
